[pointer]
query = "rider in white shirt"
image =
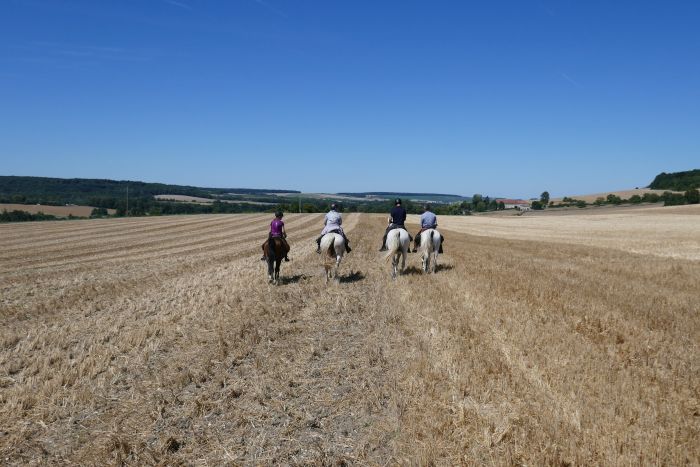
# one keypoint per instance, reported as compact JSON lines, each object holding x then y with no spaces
{"x":333,"y":223}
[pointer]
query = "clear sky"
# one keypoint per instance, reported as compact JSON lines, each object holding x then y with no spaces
{"x":506,"y":98}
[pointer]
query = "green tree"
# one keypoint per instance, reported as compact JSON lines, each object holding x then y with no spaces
{"x":635,"y":199}
{"x":613,"y":199}
{"x":692,"y":196}
{"x":99,"y":212}
{"x":544,"y":198}
{"x":537,"y":205}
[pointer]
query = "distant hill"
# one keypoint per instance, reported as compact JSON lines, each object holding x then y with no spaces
{"x":432,"y":197}
{"x":47,"y":190}
{"x":677,"y":181}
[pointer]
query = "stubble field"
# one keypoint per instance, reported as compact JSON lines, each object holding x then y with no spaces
{"x":157,"y":340}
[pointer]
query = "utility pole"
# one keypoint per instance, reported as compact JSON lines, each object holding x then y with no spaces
{"x":127,"y":200}
{"x":300,"y":203}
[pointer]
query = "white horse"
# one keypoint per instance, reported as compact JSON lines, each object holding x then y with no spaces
{"x":333,"y":249}
{"x":397,"y":245}
{"x":430,"y":240}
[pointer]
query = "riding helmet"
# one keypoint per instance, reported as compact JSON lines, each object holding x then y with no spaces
{"x":279,"y":214}
{"x":334,"y":206}
{"x":397,"y":201}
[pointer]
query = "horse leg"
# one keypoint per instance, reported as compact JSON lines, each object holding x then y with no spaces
{"x":277,"y":270}
{"x":337,"y":265}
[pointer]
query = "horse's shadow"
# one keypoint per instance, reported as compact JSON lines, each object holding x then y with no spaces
{"x":444,"y":267}
{"x":355,"y":276}
{"x":284,"y":280}
{"x":413,"y":270}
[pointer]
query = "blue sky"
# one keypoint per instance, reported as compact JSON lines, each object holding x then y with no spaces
{"x":506,"y":98}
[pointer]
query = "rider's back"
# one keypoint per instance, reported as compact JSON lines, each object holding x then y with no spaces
{"x":398,"y":215}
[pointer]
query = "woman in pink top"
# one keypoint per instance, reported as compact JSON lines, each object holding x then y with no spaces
{"x":277,"y":231}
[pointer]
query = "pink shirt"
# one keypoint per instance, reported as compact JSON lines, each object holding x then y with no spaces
{"x":276,"y":227}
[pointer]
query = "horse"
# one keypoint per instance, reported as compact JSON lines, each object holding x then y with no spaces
{"x":397,"y":245}
{"x":333,"y":249}
{"x":273,"y":258}
{"x":430,"y":240}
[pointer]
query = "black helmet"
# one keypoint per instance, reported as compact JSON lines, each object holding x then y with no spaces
{"x":397,"y":201}
{"x":426,"y":207}
{"x":279,"y":214}
{"x":334,"y":206}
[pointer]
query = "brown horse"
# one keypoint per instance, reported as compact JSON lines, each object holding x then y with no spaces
{"x":274,"y":251}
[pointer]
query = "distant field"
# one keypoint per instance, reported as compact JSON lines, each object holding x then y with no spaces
{"x":541,"y":340}
{"x":624,"y":194}
{"x":60,"y":211}
{"x":653,"y":230}
{"x":196,"y":199}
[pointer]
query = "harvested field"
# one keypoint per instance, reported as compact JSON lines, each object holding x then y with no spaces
{"x":59,"y":211}
{"x":624,"y":194}
{"x":157,"y":340}
{"x":650,"y":230}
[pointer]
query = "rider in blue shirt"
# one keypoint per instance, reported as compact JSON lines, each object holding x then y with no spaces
{"x":428,"y":220}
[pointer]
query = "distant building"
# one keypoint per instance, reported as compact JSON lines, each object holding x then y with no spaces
{"x":514,"y":203}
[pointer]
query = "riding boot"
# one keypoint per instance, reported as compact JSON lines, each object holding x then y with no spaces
{"x":318,"y":242}
{"x":263,"y":256}
{"x":383,"y":248}
{"x":347,"y":244}
{"x":442,"y":240}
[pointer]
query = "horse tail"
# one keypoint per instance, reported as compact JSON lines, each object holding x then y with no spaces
{"x":432,"y":232}
{"x":271,"y":247}
{"x":393,"y":244}
{"x":331,"y":247}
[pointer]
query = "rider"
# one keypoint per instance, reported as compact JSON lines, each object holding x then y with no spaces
{"x":332,"y":223}
{"x":277,"y":231}
{"x":428,"y":220}
{"x":397,"y":218}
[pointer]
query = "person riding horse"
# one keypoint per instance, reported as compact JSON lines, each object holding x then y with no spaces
{"x":428,"y":220}
{"x":333,"y":223}
{"x":397,"y":219}
{"x":277,"y":231}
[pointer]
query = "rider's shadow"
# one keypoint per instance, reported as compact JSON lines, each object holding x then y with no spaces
{"x":352,"y":277}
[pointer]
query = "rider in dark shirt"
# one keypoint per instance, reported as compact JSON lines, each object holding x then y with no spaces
{"x":397,"y":218}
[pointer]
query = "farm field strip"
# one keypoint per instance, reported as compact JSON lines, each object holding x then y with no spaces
{"x":148,"y":243}
{"x":127,"y":270}
{"x":14,"y":231}
{"x":133,"y":270}
{"x":102,"y":234}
